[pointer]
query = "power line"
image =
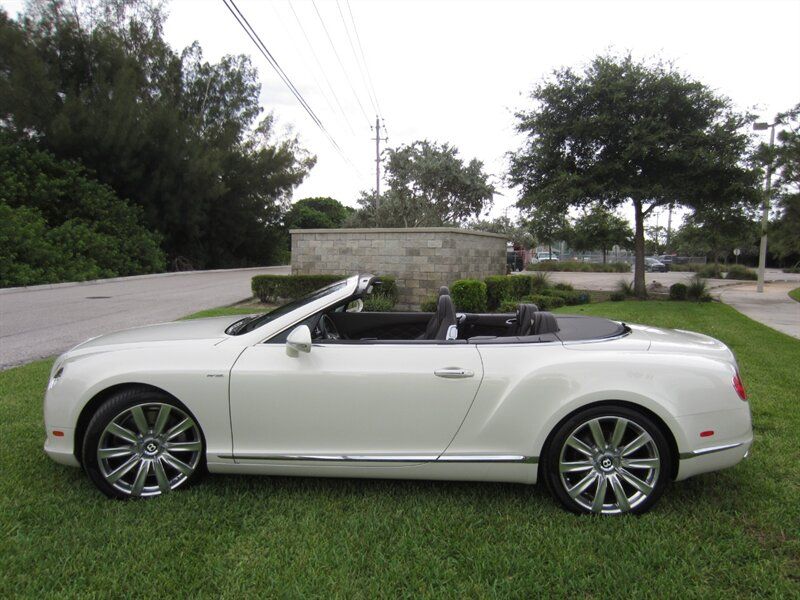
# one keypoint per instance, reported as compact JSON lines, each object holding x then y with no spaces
{"x":364,"y":59}
{"x":355,"y":55}
{"x":248,"y":29}
{"x":321,"y":68}
{"x":341,"y":64}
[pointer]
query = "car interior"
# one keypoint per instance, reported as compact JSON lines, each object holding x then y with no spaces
{"x":347,"y":324}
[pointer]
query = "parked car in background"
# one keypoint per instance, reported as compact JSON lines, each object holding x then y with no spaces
{"x":667,"y":259}
{"x":544,"y":256}
{"x":653,"y":265}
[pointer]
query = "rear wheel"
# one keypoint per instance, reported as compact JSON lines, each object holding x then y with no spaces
{"x":142,"y":443}
{"x":607,"y":460}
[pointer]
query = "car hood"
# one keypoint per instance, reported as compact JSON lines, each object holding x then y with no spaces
{"x":212,"y":329}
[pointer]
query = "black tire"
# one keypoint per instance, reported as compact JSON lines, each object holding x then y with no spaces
{"x":642,"y":472}
{"x":167,"y":459}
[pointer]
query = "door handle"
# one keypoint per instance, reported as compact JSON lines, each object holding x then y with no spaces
{"x":453,"y":373}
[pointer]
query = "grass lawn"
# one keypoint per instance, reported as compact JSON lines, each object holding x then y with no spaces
{"x":730,"y":534}
{"x":795,"y":294}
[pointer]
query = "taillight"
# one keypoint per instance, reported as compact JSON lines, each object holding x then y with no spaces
{"x":737,"y":385}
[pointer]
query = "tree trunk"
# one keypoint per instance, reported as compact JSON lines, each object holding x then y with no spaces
{"x":639,"y":287}
{"x":604,"y":255}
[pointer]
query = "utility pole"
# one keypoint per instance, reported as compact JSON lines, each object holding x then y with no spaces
{"x":669,"y":229}
{"x":378,"y":140}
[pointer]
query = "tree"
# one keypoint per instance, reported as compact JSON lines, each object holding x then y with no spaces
{"x":428,"y":186}
{"x":626,"y":131}
{"x":785,"y":229}
{"x":517,"y":233}
{"x":317,"y":213}
{"x":716,"y":230}
{"x":600,"y":229}
{"x":548,"y":226}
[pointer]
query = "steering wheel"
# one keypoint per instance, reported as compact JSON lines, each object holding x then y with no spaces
{"x":327,"y":330}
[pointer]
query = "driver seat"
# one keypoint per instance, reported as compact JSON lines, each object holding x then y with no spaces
{"x":442,"y":320}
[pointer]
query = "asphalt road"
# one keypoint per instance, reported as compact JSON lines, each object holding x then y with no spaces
{"x":41,"y":321}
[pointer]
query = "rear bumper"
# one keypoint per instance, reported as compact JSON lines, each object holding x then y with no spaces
{"x":713,"y":459}
{"x":61,"y":448}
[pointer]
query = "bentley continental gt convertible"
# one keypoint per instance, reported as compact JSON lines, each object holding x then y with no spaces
{"x":604,"y":412}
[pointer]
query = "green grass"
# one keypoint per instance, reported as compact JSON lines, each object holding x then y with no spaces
{"x":229,"y":310}
{"x":727,"y":534}
{"x":795,"y":294}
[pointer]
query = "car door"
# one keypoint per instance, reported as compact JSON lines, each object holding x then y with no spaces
{"x":365,"y":401}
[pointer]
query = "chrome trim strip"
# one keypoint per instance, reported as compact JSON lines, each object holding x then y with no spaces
{"x":461,"y":458}
{"x":710,"y":450}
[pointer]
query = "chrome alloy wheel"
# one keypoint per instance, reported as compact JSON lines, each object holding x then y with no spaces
{"x":149,"y":449}
{"x":609,"y":465}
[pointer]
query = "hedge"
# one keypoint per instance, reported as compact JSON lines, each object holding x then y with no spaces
{"x":272,"y":288}
{"x":378,"y":302}
{"x":570,"y":297}
{"x":497,"y":289}
{"x":741,"y":272}
{"x":520,"y":286}
{"x":583,"y":267}
{"x":678,"y":291}
{"x":429,"y":304}
{"x":469,"y":295}
{"x":543,"y":302}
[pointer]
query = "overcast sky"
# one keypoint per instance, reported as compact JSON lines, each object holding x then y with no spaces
{"x":455,"y":71}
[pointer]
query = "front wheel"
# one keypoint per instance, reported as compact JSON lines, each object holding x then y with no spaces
{"x":142,"y":443}
{"x":607,"y":460}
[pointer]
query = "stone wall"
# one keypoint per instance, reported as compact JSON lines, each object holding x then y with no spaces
{"x":422,"y":259}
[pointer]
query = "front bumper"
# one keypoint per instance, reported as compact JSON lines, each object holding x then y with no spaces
{"x":61,"y":448}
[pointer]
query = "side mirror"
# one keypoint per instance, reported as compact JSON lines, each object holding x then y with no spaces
{"x":355,"y":306}
{"x":299,"y":340}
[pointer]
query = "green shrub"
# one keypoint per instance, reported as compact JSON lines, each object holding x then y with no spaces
{"x":271,"y":288}
{"x":741,"y":272}
{"x":617,"y":297}
{"x":794,"y":269}
{"x":570,"y":297}
{"x":678,"y":291}
{"x":544,"y":302}
{"x":378,"y":302}
{"x":519,"y":286}
{"x":497,"y":289}
{"x":429,"y":304}
{"x":625,"y":288}
{"x":469,"y":295}
{"x":575,"y":266}
{"x":387,"y":287}
{"x":697,"y":289}
{"x":563,"y":286}
{"x":539,"y":282}
{"x":710,"y":270}
{"x":508,"y":306}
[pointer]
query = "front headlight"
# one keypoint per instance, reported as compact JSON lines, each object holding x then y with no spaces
{"x":55,"y":377}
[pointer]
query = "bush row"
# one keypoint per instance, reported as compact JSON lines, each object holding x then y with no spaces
{"x":695,"y":290}
{"x":713,"y":271}
{"x":583,"y":267}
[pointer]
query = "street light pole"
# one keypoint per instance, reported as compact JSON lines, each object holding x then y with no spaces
{"x":762,"y":251}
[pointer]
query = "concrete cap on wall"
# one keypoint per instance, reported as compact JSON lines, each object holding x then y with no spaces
{"x":403,"y":230}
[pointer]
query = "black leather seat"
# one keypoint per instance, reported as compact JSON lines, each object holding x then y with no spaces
{"x":543,"y":322}
{"x":524,"y":321}
{"x":441,"y":321}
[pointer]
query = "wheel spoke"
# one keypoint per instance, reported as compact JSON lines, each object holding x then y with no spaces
{"x":575,"y":467}
{"x":184,"y":446}
{"x":115,"y":452}
{"x":619,"y":493}
{"x":619,"y":431}
{"x":578,"y":445}
{"x":597,"y":434}
{"x":177,"y":464}
{"x":640,"y":485}
{"x":122,"y":432}
{"x":187,"y":423}
{"x":140,"y":419}
{"x":161,"y":419}
{"x":141,"y":477}
{"x":161,"y":475}
{"x":600,"y":495}
{"x":115,"y":475}
{"x":640,"y":441}
{"x":641,"y":463}
{"x":582,"y":485}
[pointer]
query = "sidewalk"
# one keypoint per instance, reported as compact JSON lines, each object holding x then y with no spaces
{"x":773,"y":308}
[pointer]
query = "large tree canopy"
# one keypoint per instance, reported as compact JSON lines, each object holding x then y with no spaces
{"x":600,"y":228}
{"x":317,"y":213}
{"x":628,"y":131}
{"x":428,"y":185}
{"x":179,"y":136}
{"x":785,"y":230}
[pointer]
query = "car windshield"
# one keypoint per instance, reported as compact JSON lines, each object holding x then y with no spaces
{"x":250,"y":323}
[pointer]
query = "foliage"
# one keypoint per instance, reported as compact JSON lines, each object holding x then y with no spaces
{"x":387,"y":286}
{"x":601,"y":229}
{"x":540,"y":281}
{"x":518,"y":234}
{"x":626,"y":287}
{"x":58,"y":224}
{"x":180,"y":137}
{"x":570,"y":297}
{"x":716,"y":230}
{"x":543,"y":302}
{"x":678,"y":291}
{"x":378,"y":302}
{"x":563,"y":286}
{"x":428,"y":185}
{"x":520,"y":285}
{"x":317,"y":213}
{"x":271,"y":288}
{"x":697,"y":289}
{"x":548,"y":224}
{"x":630,"y":131}
{"x":469,"y":295}
{"x":795,"y":294}
{"x":583,"y":267}
{"x":785,"y":229}
{"x":429,"y":304}
{"x":740,"y":272}
{"x":498,"y":288}
{"x":618,"y":296}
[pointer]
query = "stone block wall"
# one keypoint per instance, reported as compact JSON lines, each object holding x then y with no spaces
{"x":422,"y":259}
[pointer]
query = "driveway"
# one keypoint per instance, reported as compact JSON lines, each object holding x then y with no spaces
{"x":773,"y":307}
{"x":40,"y":321}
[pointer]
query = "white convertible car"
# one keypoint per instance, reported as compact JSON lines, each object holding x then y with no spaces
{"x":605,"y":413}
